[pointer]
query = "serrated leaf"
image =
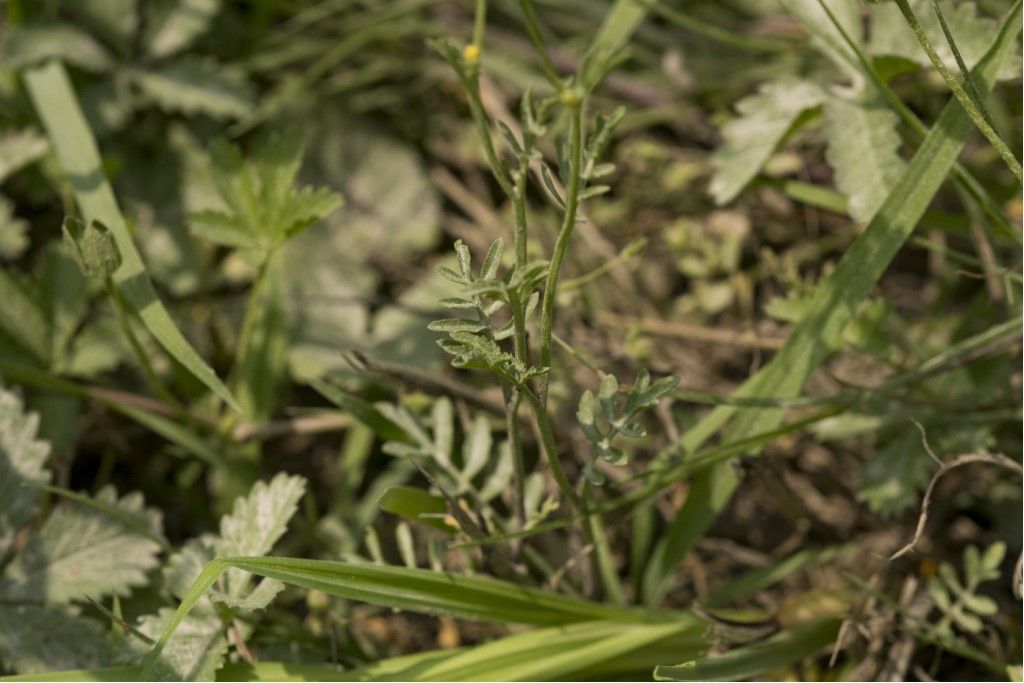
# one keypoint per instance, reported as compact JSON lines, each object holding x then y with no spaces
{"x":82,"y":552}
{"x":194,"y":653}
{"x":182,"y":568}
{"x":863,"y":149}
{"x":762,"y":123}
{"x":22,"y":457}
{"x":36,"y":638}
{"x":890,"y":34}
{"x":260,"y":518}
{"x":198,"y":87}
{"x":174,"y":24}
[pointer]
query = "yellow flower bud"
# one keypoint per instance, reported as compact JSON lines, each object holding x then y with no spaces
{"x":471,"y":53}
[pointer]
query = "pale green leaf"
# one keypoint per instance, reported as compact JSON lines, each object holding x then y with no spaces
{"x":195,"y":652}
{"x":890,"y":34}
{"x":763,"y":122}
{"x":34,"y":638}
{"x":259,"y":519}
{"x":82,"y":552}
{"x":197,"y":87}
{"x":863,"y":149}
{"x":22,"y":457}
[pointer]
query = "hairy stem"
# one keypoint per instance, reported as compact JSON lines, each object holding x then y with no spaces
{"x":547,"y":437}
{"x":572,"y":193}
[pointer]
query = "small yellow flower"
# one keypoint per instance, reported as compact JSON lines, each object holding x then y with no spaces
{"x":569,"y":97}
{"x":471,"y":53}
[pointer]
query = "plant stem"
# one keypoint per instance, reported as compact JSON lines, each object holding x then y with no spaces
{"x":124,"y":320}
{"x":562,"y":242}
{"x":966,"y":101}
{"x":547,"y":438}
{"x":479,"y":23}
{"x":533,"y":31}
{"x":602,"y":553}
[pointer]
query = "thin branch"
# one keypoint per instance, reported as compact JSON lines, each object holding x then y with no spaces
{"x":997,"y":459}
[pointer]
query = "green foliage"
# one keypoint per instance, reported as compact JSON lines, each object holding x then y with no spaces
{"x":200,"y":642}
{"x":603,"y":417}
{"x":264,"y":209}
{"x":78,"y":552}
{"x":958,"y":600}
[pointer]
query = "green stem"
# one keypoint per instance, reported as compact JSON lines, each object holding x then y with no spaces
{"x":964,"y":71}
{"x":479,"y":23}
{"x":124,"y":320}
{"x":965,"y":100}
{"x":602,"y":553}
{"x":533,"y":31}
{"x":518,"y":464}
{"x":562,"y":242}
{"x":547,"y":438}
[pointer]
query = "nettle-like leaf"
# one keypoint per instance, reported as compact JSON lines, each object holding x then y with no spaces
{"x":38,"y":638}
{"x":252,"y":528}
{"x":195,"y":652}
{"x":22,"y":457}
{"x":891,"y":36}
{"x":83,"y":552}
{"x":863,"y":148}
{"x":958,"y":600}
{"x":195,"y":86}
{"x":264,"y":206}
{"x":764,"y":121}
{"x":603,"y":416}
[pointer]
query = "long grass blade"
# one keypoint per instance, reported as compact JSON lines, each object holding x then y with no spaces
{"x":55,"y":101}
{"x":747,"y":662}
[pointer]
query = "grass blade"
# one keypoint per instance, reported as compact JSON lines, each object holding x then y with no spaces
{"x":831,"y":309}
{"x":54,"y":100}
{"x":417,"y":590}
{"x":748,"y":662}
